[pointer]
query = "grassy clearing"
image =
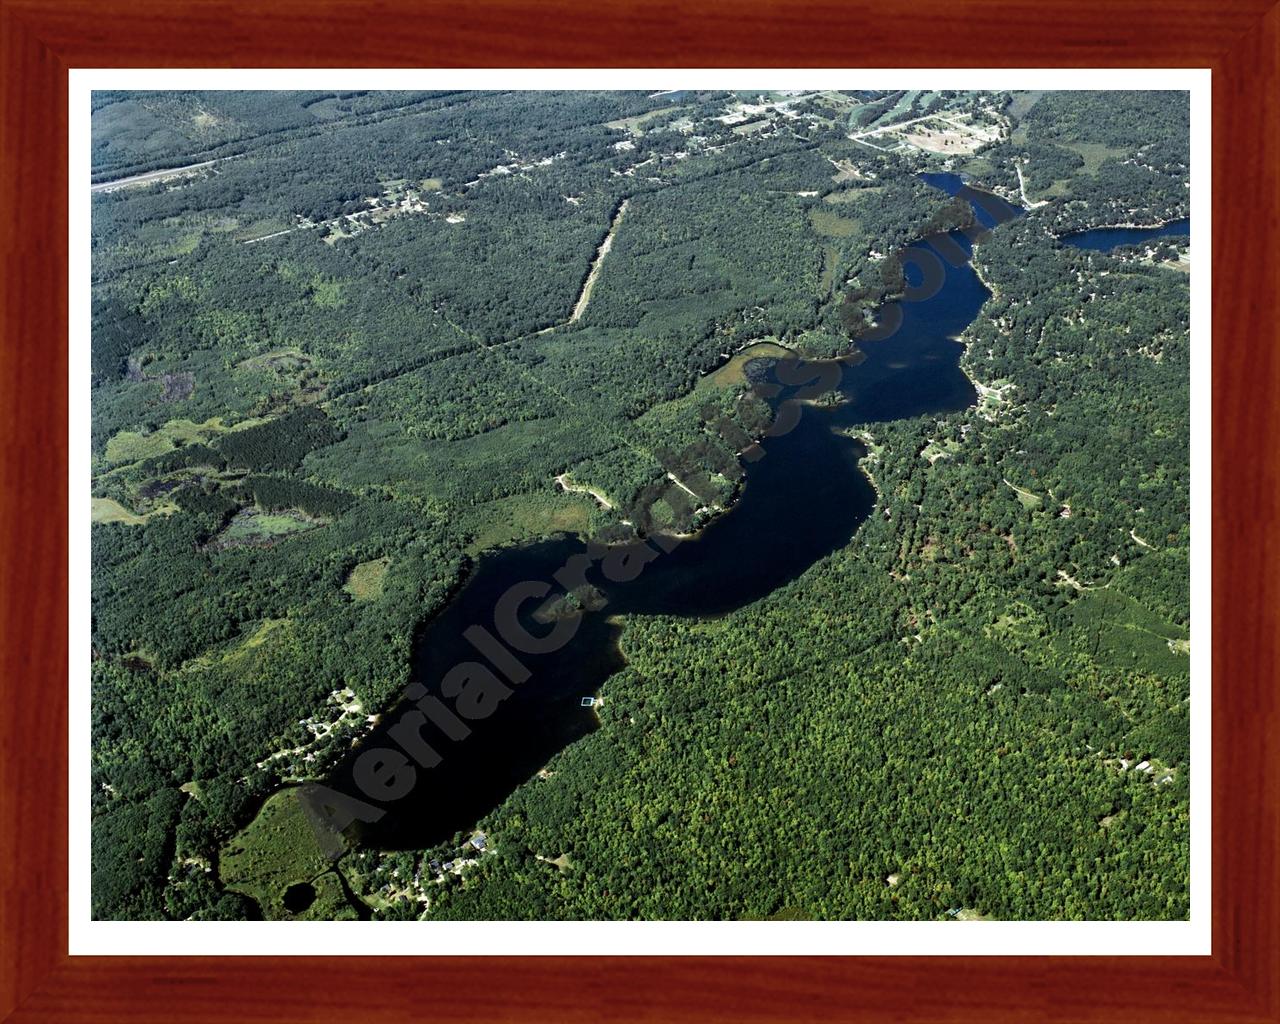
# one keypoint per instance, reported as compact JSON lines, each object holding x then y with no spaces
{"x":173,"y":236}
{"x":107,"y":510}
{"x":1059,"y":188}
{"x":326,"y":292}
{"x":830,"y":264}
{"x":522,"y":517}
{"x":1124,"y":636}
{"x":263,"y":631}
{"x":276,"y":850}
{"x":978,"y":167}
{"x":130,"y":446}
{"x":281,"y":360}
{"x":637,"y":125}
{"x":249,"y":655}
{"x":133,"y":446}
{"x":850,"y":195}
{"x":830,"y":224}
{"x":1094,"y":153}
{"x":1024,"y":101}
{"x":936,"y":450}
{"x":250,"y":526}
{"x":1026,"y":498}
{"x":366,"y":580}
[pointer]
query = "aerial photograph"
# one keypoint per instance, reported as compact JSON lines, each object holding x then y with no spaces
{"x":688,"y":505}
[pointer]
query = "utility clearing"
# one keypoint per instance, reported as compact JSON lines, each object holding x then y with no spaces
{"x":601,"y":253}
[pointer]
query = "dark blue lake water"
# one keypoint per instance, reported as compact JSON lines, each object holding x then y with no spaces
{"x":802,"y":500}
{"x":1106,"y":239}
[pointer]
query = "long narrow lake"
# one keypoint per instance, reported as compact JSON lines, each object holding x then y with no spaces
{"x":1106,"y":239}
{"x":802,"y":500}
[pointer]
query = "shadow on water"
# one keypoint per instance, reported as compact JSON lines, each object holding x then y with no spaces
{"x":802,"y":500}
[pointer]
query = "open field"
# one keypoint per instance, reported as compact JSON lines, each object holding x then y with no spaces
{"x":1024,"y":101}
{"x":251,"y":527}
{"x":830,"y":224}
{"x":129,"y":446}
{"x":830,"y":264}
{"x":1094,"y":153}
{"x":108,"y":510}
{"x":523,"y":517}
{"x":282,"y":361}
{"x":366,"y":580}
{"x":1123,"y":634}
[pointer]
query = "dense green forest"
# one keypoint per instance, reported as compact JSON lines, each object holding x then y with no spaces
{"x":377,"y":335}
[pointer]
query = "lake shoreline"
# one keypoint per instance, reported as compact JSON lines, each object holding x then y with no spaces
{"x":817,"y":478}
{"x":1126,"y":226}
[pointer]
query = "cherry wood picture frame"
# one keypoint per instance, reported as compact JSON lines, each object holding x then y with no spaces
{"x":41,"y":39}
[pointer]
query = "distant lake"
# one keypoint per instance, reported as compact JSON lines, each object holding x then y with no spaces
{"x":1096,"y":239}
{"x":1106,"y":239}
